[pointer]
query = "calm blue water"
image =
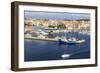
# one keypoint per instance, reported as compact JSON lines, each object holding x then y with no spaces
{"x":39,"y":50}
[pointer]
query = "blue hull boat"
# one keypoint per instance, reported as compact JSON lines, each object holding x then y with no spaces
{"x":70,"y":42}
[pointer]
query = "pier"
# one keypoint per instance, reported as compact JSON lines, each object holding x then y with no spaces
{"x":44,"y":39}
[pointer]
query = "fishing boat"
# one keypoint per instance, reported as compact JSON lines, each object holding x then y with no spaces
{"x":70,"y":41}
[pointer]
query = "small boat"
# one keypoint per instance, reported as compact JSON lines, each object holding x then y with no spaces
{"x":70,"y":41}
{"x":39,"y":32}
{"x":65,"y":56}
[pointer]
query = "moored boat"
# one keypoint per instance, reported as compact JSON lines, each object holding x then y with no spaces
{"x":70,"y":41}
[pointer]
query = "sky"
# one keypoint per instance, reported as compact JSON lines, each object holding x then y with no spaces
{"x":55,"y":15}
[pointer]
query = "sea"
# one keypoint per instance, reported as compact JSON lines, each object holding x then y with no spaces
{"x":43,"y":50}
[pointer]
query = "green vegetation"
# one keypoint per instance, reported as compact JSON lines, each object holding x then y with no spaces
{"x":51,"y":26}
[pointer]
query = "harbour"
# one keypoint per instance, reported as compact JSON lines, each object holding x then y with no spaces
{"x":56,"y":36}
